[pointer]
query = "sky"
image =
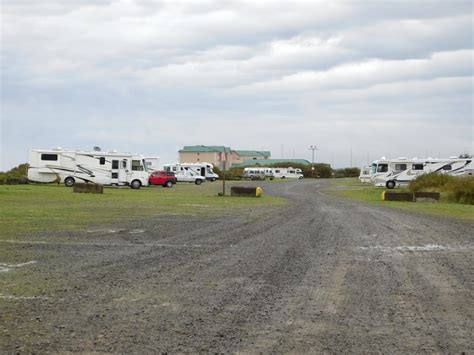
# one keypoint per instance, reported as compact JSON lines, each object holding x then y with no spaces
{"x":358,"y":79}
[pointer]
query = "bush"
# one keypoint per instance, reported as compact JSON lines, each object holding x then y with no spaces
{"x":347,"y":172}
{"x":429,"y":182}
{"x":459,"y":189}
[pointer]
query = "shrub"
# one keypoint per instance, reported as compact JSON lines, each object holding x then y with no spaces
{"x":461,"y":189}
{"x":347,"y":172}
{"x":427,"y":182}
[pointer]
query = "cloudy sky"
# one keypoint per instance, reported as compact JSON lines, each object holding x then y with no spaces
{"x":147,"y":76}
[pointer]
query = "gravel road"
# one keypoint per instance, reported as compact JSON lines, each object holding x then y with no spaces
{"x":321,"y":274}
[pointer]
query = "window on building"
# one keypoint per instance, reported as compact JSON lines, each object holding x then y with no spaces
{"x":51,"y":157}
{"x":115,"y":164}
{"x":417,"y":166}
{"x":102,"y":161}
{"x":137,"y":165}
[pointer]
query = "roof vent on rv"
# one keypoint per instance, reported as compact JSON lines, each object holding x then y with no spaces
{"x":113,"y":151}
{"x":56,"y":148}
{"x":453,"y":157}
{"x":383,"y":158}
{"x":97,"y":149}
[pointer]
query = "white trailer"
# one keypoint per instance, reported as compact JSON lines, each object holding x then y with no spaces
{"x":186,"y":172}
{"x":391,"y":173}
{"x":287,"y":173}
{"x":258,"y":172}
{"x":71,"y":166}
{"x":365,"y":175}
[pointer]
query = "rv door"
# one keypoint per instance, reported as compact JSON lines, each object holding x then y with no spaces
{"x":122,"y":177}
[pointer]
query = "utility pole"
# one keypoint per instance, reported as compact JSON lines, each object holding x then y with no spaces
{"x":312,"y":148}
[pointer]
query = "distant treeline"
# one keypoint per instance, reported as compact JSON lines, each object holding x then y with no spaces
{"x":21,"y":171}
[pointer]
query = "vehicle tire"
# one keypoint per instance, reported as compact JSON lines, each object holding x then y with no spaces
{"x":390,"y":184}
{"x":198,"y":182}
{"x":136,"y":184}
{"x":169,"y":183}
{"x":213,"y":179}
{"x":69,"y":181}
{"x":282,"y":177}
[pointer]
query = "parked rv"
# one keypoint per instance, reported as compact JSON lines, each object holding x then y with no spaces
{"x":71,"y":166}
{"x":287,"y":173}
{"x":391,"y":173}
{"x":258,"y":173}
{"x":365,"y":175}
{"x":185,"y":173}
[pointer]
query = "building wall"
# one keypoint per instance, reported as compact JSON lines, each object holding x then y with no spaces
{"x":193,"y":157}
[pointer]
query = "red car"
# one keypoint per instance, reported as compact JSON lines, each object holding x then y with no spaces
{"x":163,"y":178}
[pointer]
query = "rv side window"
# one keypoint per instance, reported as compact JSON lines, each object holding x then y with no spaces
{"x":447,"y":167}
{"x":400,"y":167}
{"x":137,"y":165}
{"x":417,"y":167}
{"x":382,"y":168}
{"x":115,"y":164}
{"x":114,"y":175}
{"x":51,"y":157}
{"x":124,"y":164}
{"x":277,"y":171}
{"x":102,"y":161}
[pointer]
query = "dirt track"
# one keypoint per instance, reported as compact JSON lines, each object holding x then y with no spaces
{"x":322,"y":274}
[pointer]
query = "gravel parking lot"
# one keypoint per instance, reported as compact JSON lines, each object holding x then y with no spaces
{"x":320,"y":274}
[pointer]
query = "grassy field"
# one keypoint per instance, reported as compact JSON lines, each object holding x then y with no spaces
{"x":353,"y":189}
{"x":32,"y":209}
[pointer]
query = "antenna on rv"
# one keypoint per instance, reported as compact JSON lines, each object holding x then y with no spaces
{"x":97,"y":149}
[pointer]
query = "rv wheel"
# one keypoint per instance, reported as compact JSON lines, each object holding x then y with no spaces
{"x":198,"y":182}
{"x":213,"y":179}
{"x":136,"y":184}
{"x":69,"y":181}
{"x":390,"y":184}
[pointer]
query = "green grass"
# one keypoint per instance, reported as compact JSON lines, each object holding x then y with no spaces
{"x":32,"y":209}
{"x":353,"y":189}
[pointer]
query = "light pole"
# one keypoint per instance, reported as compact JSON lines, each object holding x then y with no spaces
{"x":313,"y":148}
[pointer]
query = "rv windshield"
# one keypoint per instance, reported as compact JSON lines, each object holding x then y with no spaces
{"x":374,"y":168}
{"x":209,"y":170}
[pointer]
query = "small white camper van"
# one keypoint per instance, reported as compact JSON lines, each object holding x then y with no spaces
{"x":186,"y":172}
{"x":287,"y":173}
{"x":71,"y":166}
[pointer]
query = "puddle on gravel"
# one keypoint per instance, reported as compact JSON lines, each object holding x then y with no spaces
{"x":419,"y":248}
{"x":8,"y":267}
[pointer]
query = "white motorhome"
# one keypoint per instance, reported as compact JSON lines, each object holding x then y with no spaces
{"x":258,"y":172}
{"x":71,"y":166}
{"x":365,"y":175}
{"x":287,"y":173}
{"x":391,"y":173}
{"x":152,"y":163}
{"x":186,"y":172}
{"x":204,"y":169}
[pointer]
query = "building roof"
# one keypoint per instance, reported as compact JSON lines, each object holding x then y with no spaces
{"x":205,"y":149}
{"x":253,"y":153}
{"x":272,"y":162}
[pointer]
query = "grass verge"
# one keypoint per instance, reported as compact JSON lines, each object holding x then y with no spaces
{"x":353,"y":189}
{"x":31,"y":209}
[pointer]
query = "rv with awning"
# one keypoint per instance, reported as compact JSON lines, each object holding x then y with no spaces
{"x":71,"y":166}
